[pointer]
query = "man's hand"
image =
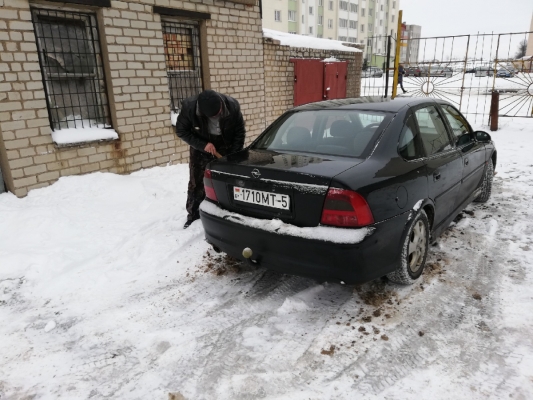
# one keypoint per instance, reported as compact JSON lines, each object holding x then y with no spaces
{"x":210,"y":148}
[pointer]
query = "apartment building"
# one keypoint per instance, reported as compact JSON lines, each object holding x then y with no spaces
{"x":529,"y":49}
{"x":411,"y":35}
{"x":353,"y":21}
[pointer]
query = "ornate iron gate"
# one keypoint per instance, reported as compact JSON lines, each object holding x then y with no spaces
{"x":463,"y":69}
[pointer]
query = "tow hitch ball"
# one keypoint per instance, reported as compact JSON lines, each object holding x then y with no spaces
{"x":247,"y":253}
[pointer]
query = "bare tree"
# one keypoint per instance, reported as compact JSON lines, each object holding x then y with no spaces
{"x":522,"y":47}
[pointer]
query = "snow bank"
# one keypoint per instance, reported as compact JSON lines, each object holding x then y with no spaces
{"x":287,"y":39}
{"x":325,"y":233}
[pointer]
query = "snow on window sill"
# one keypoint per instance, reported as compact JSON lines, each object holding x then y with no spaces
{"x":76,"y":136}
{"x":174,"y":117}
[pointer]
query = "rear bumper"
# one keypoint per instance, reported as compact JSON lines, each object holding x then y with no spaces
{"x":375,"y":256}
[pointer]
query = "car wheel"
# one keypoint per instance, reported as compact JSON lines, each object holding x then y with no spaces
{"x":486,"y":184}
{"x":414,"y":251}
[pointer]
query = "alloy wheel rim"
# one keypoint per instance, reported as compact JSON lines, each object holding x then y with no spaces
{"x":417,"y":246}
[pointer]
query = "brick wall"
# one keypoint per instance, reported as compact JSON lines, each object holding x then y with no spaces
{"x":132,"y":45}
{"x":279,"y":80}
{"x":279,"y":74}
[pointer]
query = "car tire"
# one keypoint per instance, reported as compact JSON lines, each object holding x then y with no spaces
{"x":486,"y":184}
{"x":414,"y":251}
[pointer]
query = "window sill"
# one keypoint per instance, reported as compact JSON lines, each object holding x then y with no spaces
{"x":78,"y":137}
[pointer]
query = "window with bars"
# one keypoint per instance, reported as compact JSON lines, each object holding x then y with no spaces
{"x":182,"y":55}
{"x":72,"y":69}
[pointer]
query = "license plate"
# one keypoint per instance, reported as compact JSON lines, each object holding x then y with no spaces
{"x":267,"y":199}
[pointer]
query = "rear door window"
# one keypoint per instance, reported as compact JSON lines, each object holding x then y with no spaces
{"x":433,"y":131}
{"x":410,"y":146}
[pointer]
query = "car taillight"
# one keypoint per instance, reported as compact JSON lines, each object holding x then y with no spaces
{"x":208,"y":186}
{"x":346,"y":208}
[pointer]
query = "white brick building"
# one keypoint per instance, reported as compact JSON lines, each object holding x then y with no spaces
{"x":110,"y":64}
{"x":121,"y":68}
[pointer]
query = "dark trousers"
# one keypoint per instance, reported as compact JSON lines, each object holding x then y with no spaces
{"x":198,"y":160}
{"x":400,"y":82}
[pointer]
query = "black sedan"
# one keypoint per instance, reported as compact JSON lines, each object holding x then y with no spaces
{"x":348,"y":190}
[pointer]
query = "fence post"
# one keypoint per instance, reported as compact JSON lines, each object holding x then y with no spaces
{"x":386,"y":70}
{"x":494,"y":107}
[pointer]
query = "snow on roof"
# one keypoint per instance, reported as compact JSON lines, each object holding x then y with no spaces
{"x":310,"y":42}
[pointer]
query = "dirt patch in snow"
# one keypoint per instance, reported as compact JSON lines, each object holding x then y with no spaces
{"x":375,"y":293}
{"x":434,"y":270}
{"x":329,"y":352}
{"x":220,"y":264}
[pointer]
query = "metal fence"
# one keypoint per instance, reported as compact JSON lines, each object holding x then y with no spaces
{"x":463,"y":69}
{"x":183,"y":61}
{"x":72,"y":69}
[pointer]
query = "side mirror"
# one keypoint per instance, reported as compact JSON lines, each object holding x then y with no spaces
{"x":482,"y":137}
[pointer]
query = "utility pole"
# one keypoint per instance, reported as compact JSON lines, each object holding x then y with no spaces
{"x":397,"y":56}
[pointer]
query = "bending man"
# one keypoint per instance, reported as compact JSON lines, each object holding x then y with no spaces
{"x":210,"y":123}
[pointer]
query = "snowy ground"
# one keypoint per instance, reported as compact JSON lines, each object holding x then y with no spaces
{"x":103,"y":295}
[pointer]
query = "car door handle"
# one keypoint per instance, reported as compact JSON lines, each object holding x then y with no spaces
{"x":466,"y":161}
{"x":436,"y":176}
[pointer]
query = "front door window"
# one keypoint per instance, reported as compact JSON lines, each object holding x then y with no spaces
{"x":432,"y":131}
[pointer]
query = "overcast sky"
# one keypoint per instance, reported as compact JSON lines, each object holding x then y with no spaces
{"x":468,"y":17}
{"x":459,"y":17}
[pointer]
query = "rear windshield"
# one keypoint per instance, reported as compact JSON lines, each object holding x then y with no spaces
{"x":329,"y":132}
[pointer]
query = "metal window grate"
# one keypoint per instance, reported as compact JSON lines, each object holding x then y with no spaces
{"x":182,"y":54}
{"x":72,"y":71}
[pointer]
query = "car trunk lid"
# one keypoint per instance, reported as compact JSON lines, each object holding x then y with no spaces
{"x":268,"y":184}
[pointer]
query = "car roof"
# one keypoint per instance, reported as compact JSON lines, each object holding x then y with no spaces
{"x":368,"y":103}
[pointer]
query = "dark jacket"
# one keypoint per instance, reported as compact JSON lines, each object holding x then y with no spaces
{"x":401,"y":73}
{"x":192,"y":128}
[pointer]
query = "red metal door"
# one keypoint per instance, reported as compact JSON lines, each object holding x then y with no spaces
{"x":335,"y":79}
{"x":342,"y":79}
{"x":308,"y":81}
{"x":330,"y":81}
